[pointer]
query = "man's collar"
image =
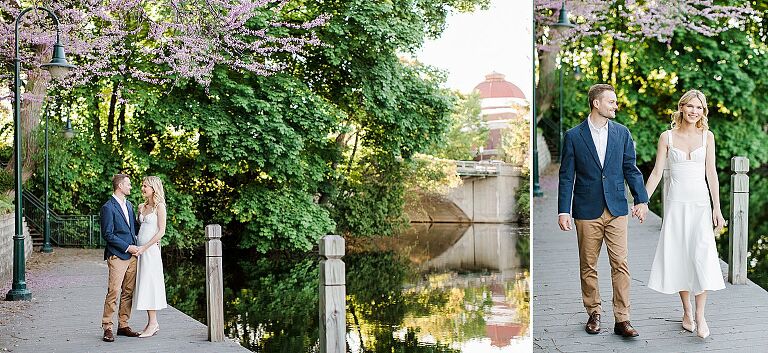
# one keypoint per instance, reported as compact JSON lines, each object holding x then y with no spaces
{"x":118,"y":198}
{"x":593,"y":127}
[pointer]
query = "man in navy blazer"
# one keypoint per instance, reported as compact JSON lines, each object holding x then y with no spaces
{"x":119,"y":230}
{"x":598,"y":156}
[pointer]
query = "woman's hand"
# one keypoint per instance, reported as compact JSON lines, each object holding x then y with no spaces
{"x":718,"y":221}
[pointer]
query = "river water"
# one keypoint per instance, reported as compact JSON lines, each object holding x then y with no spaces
{"x":435,"y":288}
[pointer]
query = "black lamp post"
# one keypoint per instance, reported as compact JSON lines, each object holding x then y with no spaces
{"x":58,"y":67}
{"x":561,"y":24}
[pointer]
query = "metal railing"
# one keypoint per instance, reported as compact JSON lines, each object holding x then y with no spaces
{"x":481,"y":168}
{"x":66,"y":230}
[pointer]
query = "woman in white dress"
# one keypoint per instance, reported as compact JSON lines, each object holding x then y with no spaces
{"x":149,"y":294}
{"x":686,"y":257}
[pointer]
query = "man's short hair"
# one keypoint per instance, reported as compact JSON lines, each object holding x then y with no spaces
{"x":117,"y":179}
{"x":596,"y":91}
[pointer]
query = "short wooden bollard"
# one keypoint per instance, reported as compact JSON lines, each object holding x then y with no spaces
{"x":737,"y":229}
{"x":214,"y":283}
{"x":333,"y":301}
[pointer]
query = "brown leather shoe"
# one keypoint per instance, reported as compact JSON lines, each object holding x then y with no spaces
{"x":126,"y":331}
{"x":108,"y":336}
{"x":593,"y":324}
{"x":625,"y":329}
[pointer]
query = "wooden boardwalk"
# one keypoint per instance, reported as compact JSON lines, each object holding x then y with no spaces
{"x":737,"y":316}
{"x":64,"y":315}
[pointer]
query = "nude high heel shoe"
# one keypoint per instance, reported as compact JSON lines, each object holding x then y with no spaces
{"x":689,"y":327}
{"x":703,"y":329}
{"x":150,"y":332}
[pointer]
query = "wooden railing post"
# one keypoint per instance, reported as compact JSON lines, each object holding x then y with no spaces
{"x":737,"y":229}
{"x":214,"y":283}
{"x":332,"y":295}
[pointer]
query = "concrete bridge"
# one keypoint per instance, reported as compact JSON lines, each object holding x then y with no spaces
{"x":488,"y":194}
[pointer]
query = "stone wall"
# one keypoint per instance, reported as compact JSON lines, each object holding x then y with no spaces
{"x":7,"y":230}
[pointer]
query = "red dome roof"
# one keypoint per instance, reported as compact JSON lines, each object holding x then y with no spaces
{"x":495,"y":86}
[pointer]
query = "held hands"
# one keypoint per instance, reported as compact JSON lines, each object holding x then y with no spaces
{"x":565,"y":222}
{"x":640,"y":211}
{"x":132,"y":249}
{"x":141,"y":249}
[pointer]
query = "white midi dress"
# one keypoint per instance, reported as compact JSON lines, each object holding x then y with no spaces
{"x":686,"y":255}
{"x":150,"y":281}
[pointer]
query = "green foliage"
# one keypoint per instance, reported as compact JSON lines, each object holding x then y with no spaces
{"x":431,"y":176}
{"x":6,"y":204}
{"x":326,"y":145}
{"x":730,"y":68}
{"x":524,"y":199}
{"x":466,"y":132}
{"x":371,"y":200}
{"x":7,"y":182}
{"x":515,"y":143}
{"x":280,"y":220}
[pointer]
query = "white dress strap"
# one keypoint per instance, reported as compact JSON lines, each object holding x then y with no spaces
{"x":704,"y":138}
{"x":669,"y":138}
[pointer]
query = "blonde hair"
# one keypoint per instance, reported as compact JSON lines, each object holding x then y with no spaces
{"x":158,"y":198}
{"x":677,"y":117}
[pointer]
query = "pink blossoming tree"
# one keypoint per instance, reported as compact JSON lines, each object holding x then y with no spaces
{"x":630,"y":21}
{"x":156,"y":42}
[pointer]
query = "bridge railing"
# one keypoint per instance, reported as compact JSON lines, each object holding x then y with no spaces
{"x":478,"y":168}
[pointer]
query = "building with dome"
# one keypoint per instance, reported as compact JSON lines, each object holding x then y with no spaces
{"x":501,"y":104}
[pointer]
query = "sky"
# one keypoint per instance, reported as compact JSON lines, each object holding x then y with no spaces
{"x":476,"y":44}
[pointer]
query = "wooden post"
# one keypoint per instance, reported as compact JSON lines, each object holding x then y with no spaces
{"x":332,"y":295}
{"x":737,"y":229}
{"x":214,"y":283}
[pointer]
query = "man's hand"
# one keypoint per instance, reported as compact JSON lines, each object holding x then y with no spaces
{"x":564,"y":221}
{"x":640,"y":211}
{"x":133,"y":249}
{"x":140,"y":250}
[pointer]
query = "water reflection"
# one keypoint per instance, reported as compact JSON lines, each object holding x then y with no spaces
{"x":436,"y":288}
{"x":474,"y":284}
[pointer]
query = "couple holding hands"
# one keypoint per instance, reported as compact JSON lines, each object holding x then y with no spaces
{"x":133,"y":256}
{"x":598,"y":156}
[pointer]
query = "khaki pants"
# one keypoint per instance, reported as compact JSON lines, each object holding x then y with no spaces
{"x":591,"y":234}
{"x":122,"y":277}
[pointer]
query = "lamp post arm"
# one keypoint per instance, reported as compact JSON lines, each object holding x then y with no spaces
{"x":28,"y":9}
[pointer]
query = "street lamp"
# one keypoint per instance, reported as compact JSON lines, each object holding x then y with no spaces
{"x":562,"y":23}
{"x":58,"y":67}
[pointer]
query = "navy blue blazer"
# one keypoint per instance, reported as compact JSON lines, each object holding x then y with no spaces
{"x":117,"y":231}
{"x":586,"y":189}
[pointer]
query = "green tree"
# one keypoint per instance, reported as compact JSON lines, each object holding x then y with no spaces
{"x":466,"y":132}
